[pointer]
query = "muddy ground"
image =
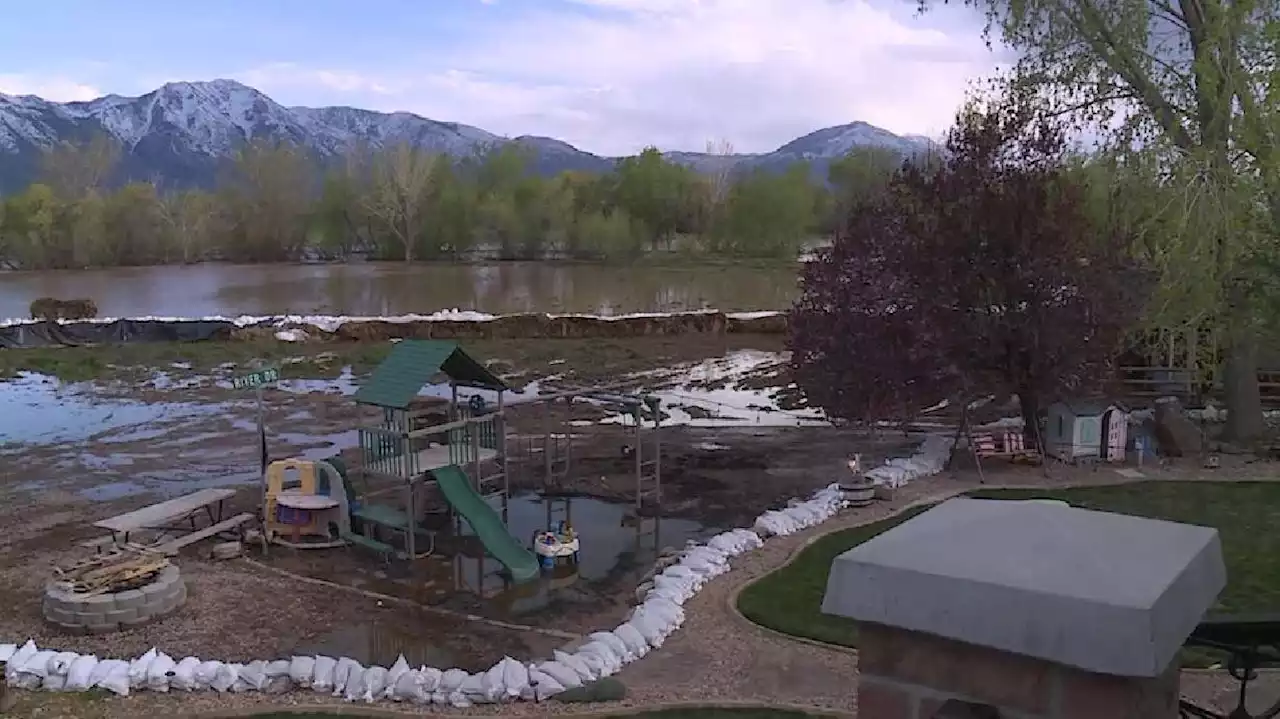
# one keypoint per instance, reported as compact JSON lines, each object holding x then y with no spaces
{"x":136,"y":436}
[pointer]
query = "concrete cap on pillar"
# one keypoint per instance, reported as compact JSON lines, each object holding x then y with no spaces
{"x":1107,"y":593}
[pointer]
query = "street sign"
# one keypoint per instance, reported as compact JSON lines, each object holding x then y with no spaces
{"x":256,"y":378}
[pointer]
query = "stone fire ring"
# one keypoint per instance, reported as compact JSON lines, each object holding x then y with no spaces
{"x":115,"y":611}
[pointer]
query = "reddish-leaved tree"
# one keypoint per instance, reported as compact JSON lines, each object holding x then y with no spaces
{"x":982,"y":275}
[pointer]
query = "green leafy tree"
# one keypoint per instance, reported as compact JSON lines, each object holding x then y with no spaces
{"x":266,"y":203}
{"x":767,"y":215}
{"x":1191,"y":84}
{"x":655,"y":193}
{"x":857,"y":177}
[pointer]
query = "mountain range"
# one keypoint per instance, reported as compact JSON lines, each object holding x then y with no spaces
{"x":184,"y":132}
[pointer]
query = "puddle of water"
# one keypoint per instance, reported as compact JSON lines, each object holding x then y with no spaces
{"x":104,"y":464}
{"x":344,"y":384}
{"x":37,"y":409}
{"x":112,"y":490}
{"x":611,"y":544}
{"x":379,"y":644}
{"x":327,"y":444}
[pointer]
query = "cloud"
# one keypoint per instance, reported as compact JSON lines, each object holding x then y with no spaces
{"x":58,"y":89}
{"x":612,"y":76}
{"x":291,"y":75}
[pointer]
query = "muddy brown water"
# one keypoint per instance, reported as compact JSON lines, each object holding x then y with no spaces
{"x":392,"y":289}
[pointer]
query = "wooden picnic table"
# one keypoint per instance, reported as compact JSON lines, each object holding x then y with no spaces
{"x":163,"y":514}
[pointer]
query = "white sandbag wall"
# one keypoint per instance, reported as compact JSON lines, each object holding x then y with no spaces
{"x":657,"y":616}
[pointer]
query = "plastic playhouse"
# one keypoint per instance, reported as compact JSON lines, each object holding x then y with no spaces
{"x":305,"y":504}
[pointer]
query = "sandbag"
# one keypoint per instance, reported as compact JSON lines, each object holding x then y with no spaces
{"x":544,"y":685}
{"x":113,"y":676}
{"x":397,"y":670}
{"x":634,"y":640}
{"x":355,"y":688}
{"x":373,"y":684}
{"x":584,"y":672}
{"x":183,"y":676}
{"x":323,"y":679}
{"x":60,"y":665}
{"x":407,"y":686}
{"x":7,"y":651}
{"x":206,"y":673}
{"x":345,"y":671}
{"x":80,"y":673}
{"x":158,"y":673}
{"x":515,"y":677}
{"x":301,"y":671}
{"x":452,"y":680}
{"x":564,"y":675}
{"x":619,"y":647}
{"x":226,"y":678}
{"x":474,"y":689}
{"x":430,"y":679}
{"x":34,"y":670}
{"x":277,"y":679}
{"x":18,"y":659}
{"x":608,"y":662}
{"x":650,"y":626}
{"x":138,"y":669}
{"x":251,"y":677}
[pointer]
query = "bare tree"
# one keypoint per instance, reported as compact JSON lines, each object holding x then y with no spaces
{"x":189,"y":217}
{"x":721,"y":169}
{"x":400,"y":180}
{"x":75,"y":170}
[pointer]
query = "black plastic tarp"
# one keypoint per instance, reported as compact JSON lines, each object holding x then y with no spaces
{"x":52,"y":334}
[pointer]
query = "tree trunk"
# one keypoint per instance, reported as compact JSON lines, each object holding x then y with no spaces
{"x":1029,"y":401}
{"x":1240,"y":390}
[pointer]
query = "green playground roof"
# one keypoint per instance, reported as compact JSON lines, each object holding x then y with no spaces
{"x":413,"y":364}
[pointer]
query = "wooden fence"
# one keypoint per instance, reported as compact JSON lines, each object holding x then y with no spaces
{"x":1148,"y":383}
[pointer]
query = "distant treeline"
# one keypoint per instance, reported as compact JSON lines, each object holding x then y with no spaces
{"x":275,"y":203}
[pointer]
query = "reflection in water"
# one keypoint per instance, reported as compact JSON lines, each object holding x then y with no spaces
{"x":613,"y":543}
{"x":379,"y":644}
{"x":392,"y":289}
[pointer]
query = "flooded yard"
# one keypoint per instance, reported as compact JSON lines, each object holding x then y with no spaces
{"x":732,"y":446}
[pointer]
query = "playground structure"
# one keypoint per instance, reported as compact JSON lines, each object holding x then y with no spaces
{"x":460,"y":452}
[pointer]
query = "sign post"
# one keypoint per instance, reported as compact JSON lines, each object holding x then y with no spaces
{"x":257,"y":380}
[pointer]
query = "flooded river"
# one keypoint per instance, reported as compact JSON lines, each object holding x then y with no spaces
{"x":392,"y":289}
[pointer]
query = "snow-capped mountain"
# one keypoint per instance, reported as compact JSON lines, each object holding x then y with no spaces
{"x":184,"y":131}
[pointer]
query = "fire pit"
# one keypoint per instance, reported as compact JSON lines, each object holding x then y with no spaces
{"x":114,"y":592}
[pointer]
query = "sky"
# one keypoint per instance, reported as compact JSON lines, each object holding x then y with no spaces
{"x":608,"y":76}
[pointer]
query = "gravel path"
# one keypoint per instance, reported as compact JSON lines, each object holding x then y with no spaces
{"x":718,"y":656}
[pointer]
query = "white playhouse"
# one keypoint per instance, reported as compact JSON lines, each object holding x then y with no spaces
{"x":1087,"y":430}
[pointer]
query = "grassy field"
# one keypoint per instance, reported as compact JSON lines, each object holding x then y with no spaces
{"x":790,"y":599}
{"x":593,"y":359}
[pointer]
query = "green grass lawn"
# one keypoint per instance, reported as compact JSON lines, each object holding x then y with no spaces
{"x":1246,"y":516}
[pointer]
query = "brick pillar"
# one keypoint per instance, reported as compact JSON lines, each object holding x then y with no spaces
{"x":911,"y":675}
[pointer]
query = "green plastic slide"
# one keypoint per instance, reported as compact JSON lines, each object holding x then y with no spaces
{"x":486,"y":523}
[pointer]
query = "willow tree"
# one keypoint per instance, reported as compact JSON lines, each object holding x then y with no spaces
{"x":1189,"y":82}
{"x":399,"y":195}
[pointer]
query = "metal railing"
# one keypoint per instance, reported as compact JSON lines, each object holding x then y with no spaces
{"x":1250,"y":643}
